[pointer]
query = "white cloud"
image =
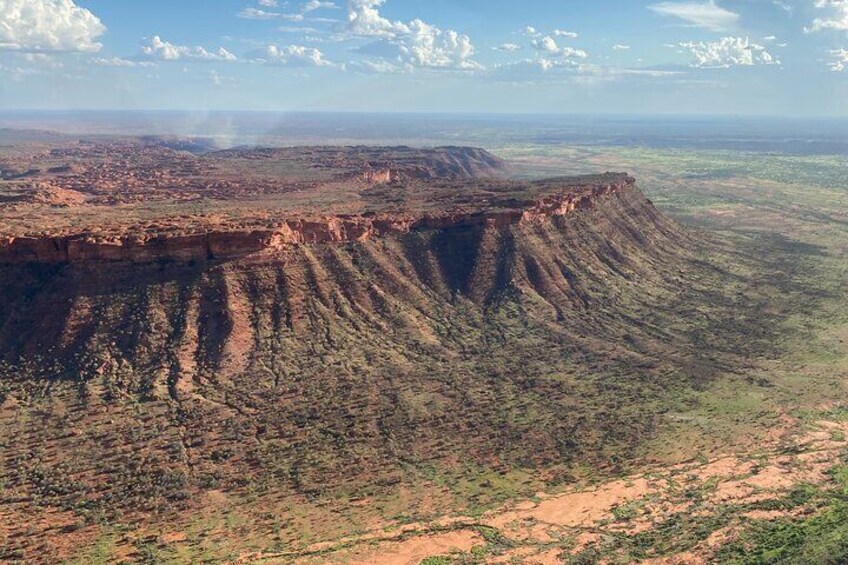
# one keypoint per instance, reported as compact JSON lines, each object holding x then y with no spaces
{"x":653,"y":73}
{"x":313,"y":5}
{"x":620,"y":47}
{"x":839,"y":62}
{"x":291,"y":56}
{"x":548,"y":45}
{"x":532,"y":70}
{"x":364,"y":19}
{"x":48,"y":25}
{"x":299,"y":29}
{"x":509,"y":47}
{"x":268,"y":3}
{"x":728,"y":52}
{"x":570,"y":52}
{"x":564,"y":33}
{"x":530,"y":31}
{"x":377,"y":67}
{"x":164,"y":51}
{"x":257,"y":14}
{"x":412,"y":44}
{"x":119,"y":62}
{"x":428,"y":46}
{"x":571,"y":71}
{"x":836,"y":19}
{"x":251,"y":13}
{"x":707,"y":14}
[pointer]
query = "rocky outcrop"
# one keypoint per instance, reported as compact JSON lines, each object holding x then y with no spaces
{"x":378,"y":176}
{"x":234,"y":243}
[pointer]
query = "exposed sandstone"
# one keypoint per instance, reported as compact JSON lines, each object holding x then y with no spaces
{"x":232,"y":243}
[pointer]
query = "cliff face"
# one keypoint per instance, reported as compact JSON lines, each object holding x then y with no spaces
{"x":64,"y":294}
{"x":339,"y":355}
{"x":80,"y":248}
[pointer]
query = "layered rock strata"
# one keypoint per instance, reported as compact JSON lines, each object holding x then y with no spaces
{"x":228,"y":244}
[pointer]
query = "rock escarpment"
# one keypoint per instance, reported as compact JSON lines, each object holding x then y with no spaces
{"x":65,"y":295}
{"x":440,"y":328}
{"x":228,"y":244}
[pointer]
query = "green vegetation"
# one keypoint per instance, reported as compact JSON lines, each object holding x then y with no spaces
{"x":821,"y":537}
{"x":710,"y":357}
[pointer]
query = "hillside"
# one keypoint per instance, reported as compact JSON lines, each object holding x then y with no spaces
{"x":306,"y":375}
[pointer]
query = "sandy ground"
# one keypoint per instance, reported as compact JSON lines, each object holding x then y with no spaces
{"x":548,"y":528}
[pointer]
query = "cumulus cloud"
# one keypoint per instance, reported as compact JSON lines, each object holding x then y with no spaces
{"x":48,"y":25}
{"x":620,"y":47}
{"x":268,"y":3}
{"x":508,"y":47}
{"x":364,"y":19}
{"x":291,"y":56}
{"x":530,"y":31}
{"x":163,"y":51}
{"x":409,"y":44}
{"x":428,"y":46}
{"x":839,"y":60}
{"x":548,"y":46}
{"x":708,"y":15}
{"x":728,"y":52}
{"x":836,"y":18}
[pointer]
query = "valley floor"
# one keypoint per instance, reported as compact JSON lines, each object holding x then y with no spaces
{"x":689,"y":513}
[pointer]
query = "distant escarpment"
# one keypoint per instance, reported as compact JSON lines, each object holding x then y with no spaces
{"x":448,"y":162}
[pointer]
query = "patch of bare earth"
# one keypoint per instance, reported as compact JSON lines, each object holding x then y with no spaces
{"x":544,"y":530}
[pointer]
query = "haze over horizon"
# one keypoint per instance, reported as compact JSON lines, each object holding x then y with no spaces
{"x":726,"y":57}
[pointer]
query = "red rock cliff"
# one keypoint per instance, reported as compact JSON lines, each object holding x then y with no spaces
{"x":227,"y":244}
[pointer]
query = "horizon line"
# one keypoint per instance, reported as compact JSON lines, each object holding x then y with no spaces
{"x":417,"y":113}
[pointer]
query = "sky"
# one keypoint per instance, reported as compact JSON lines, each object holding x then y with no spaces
{"x":736,"y":57}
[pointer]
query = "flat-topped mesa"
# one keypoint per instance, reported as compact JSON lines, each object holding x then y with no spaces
{"x":565,"y":196}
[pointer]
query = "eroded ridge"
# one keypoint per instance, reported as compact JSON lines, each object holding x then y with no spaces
{"x":558,"y":197}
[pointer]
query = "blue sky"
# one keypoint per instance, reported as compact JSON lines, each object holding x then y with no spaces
{"x":785,"y":57}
